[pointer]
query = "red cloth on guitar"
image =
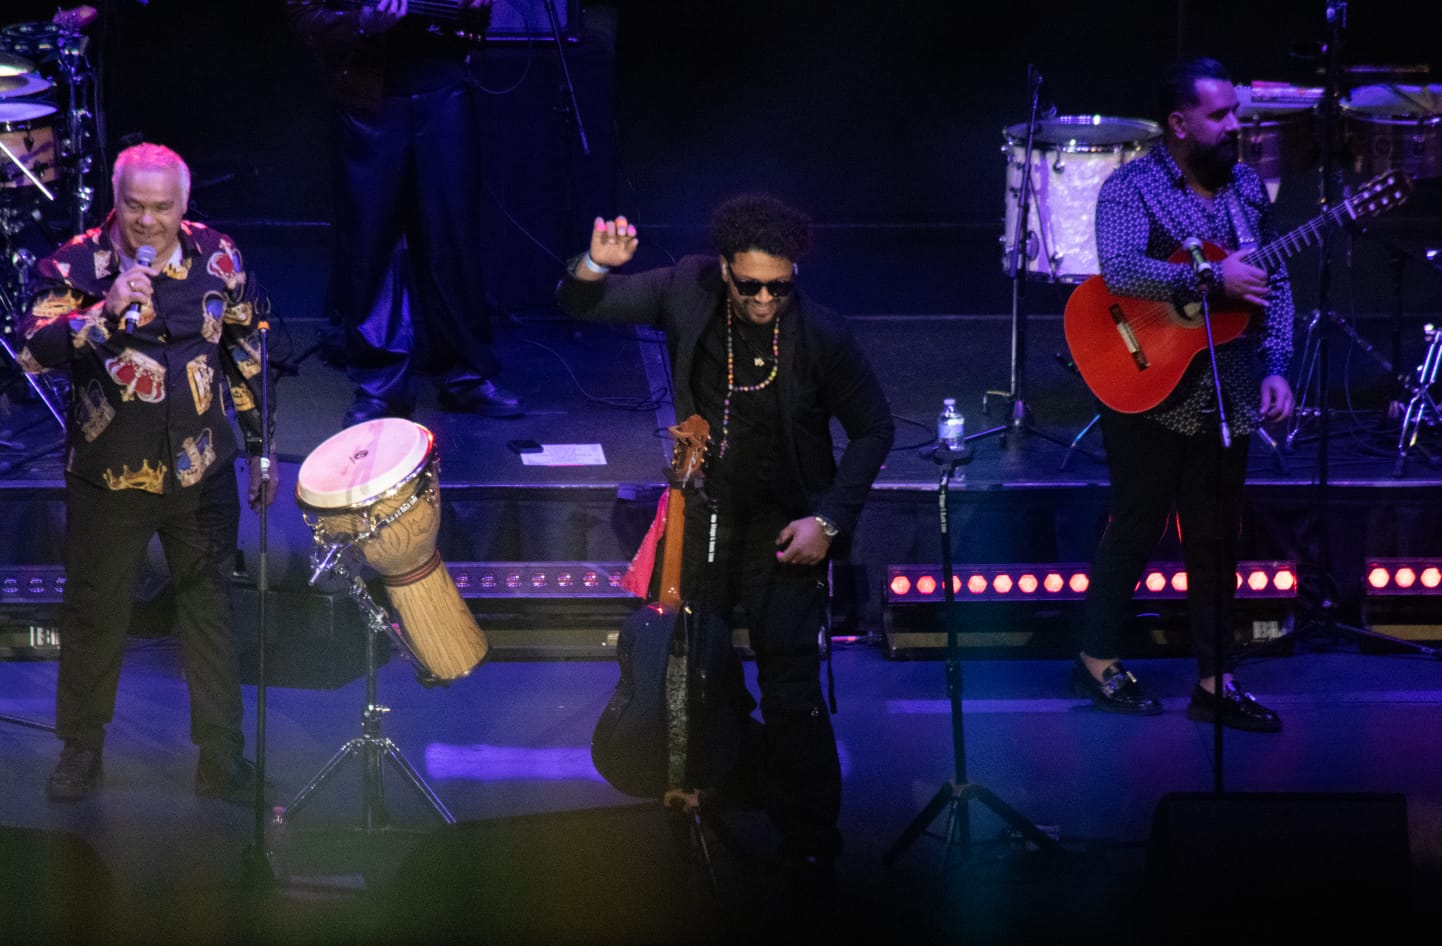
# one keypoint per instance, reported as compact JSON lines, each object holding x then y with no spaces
{"x":637,"y":579}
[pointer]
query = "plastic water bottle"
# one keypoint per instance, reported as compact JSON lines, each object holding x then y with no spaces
{"x":950,"y":425}
{"x":951,"y":433}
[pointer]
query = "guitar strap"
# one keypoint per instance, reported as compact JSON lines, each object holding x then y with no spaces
{"x":1241,"y":228}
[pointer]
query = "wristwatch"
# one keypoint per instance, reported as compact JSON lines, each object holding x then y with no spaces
{"x":828,"y":528}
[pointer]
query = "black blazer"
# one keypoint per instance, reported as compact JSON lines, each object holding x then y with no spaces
{"x":823,"y":374}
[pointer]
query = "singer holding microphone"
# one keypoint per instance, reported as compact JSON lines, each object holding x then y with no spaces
{"x":1185,"y":454}
{"x":155,"y":319}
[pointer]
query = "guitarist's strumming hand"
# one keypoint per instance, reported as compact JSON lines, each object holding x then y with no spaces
{"x":1241,"y":280}
{"x":802,"y":542}
{"x":613,"y":243}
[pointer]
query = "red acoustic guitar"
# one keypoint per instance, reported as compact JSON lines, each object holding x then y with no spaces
{"x":1132,"y":352}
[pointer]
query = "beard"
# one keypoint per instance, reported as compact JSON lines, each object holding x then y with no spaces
{"x":1213,"y":165}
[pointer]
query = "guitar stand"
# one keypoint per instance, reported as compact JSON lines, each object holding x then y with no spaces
{"x":370,"y":747}
{"x":687,"y":805}
{"x":955,"y":795}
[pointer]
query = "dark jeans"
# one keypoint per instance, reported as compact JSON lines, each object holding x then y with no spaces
{"x":793,"y":764}
{"x":106,"y":537}
{"x":411,"y":171}
{"x":1154,"y":471}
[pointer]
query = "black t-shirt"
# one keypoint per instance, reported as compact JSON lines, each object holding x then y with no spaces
{"x":746,"y":472}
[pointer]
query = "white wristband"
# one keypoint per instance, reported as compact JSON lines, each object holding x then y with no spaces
{"x":594,"y":266}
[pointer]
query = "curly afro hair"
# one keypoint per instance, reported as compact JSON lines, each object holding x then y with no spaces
{"x":760,"y":222}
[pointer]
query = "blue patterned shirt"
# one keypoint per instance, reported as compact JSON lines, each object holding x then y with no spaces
{"x":1145,"y":210}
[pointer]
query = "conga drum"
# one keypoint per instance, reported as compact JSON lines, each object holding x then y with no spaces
{"x":376,"y":486}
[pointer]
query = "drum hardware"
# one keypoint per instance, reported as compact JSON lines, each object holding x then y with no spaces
{"x":13,"y":296}
{"x":1423,"y":407}
{"x":13,"y":65}
{"x":372,"y":748}
{"x":1320,"y":619}
{"x":1055,"y":168}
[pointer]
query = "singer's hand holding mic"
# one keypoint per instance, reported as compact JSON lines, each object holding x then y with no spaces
{"x":132,"y":290}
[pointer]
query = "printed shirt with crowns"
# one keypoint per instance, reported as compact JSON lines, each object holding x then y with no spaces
{"x":150,"y":408}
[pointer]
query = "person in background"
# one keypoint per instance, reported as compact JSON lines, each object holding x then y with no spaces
{"x":408,"y":187}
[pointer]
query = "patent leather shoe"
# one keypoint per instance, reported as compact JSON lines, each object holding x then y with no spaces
{"x":1237,"y":709}
{"x":485,"y":399}
{"x":1117,"y":691}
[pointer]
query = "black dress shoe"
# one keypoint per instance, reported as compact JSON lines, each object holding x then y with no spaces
{"x":365,"y":408}
{"x":1237,"y":709}
{"x":1118,"y":691}
{"x":485,"y":399}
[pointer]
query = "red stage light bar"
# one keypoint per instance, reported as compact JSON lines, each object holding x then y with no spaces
{"x":1068,"y":581}
{"x":1410,"y":577}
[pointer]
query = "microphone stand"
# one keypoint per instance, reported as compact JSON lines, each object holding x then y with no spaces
{"x":257,"y":860}
{"x":1327,"y":624}
{"x":953,"y":796}
{"x":1019,"y":251}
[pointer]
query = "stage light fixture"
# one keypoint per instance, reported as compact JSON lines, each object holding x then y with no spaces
{"x":922,"y":584}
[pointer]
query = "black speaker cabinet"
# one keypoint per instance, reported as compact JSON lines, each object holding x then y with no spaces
{"x":1273,"y":867}
{"x":314,"y":640}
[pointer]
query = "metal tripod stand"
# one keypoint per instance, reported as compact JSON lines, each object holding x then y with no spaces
{"x":370,"y":747}
{"x":955,"y":795}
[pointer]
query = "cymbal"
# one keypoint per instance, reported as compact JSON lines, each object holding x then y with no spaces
{"x":13,"y":65}
{"x":14,"y":87}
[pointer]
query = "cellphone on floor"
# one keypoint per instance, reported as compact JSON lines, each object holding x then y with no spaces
{"x":523,"y":446}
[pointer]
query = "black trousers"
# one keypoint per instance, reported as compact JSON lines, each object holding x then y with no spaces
{"x":1153,"y":472}
{"x":410,"y":173}
{"x":791,"y":763}
{"x":106,"y":537}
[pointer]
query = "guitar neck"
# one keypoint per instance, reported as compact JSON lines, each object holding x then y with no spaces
{"x":1274,"y":254}
{"x":670,"y":590}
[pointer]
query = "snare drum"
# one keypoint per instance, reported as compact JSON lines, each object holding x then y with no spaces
{"x":375,"y":486}
{"x":1070,"y":158}
{"x":1277,"y":140}
{"x":1394,"y":127}
{"x":27,"y":130}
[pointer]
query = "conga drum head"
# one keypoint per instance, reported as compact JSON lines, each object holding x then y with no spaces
{"x":363,"y":463}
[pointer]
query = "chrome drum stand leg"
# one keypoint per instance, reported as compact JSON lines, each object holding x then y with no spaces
{"x":372,"y":748}
{"x":1423,"y":406}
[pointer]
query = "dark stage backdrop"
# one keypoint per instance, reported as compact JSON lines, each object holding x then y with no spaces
{"x":884,"y":120}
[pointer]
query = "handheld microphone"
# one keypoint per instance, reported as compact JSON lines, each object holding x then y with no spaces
{"x":145,"y":256}
{"x":1203,"y":266}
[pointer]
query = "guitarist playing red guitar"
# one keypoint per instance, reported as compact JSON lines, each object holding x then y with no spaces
{"x":1167,"y":452}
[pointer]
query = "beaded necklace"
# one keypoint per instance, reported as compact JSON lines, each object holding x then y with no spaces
{"x":731,"y":386}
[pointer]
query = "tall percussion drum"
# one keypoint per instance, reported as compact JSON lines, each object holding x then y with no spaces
{"x":375,"y":486}
{"x":1394,"y":128}
{"x":1070,"y":158}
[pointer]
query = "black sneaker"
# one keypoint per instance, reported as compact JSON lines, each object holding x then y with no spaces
{"x":232,"y":781}
{"x":76,"y":774}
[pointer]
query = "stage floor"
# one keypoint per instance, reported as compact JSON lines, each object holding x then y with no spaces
{"x":544,"y":851}
{"x":547,"y":852}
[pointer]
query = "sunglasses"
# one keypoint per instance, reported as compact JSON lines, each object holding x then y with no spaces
{"x":780,"y":288}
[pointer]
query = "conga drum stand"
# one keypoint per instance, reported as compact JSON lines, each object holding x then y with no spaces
{"x":372,"y":748}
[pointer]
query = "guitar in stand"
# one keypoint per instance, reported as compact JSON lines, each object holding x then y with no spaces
{"x":667,"y":652}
